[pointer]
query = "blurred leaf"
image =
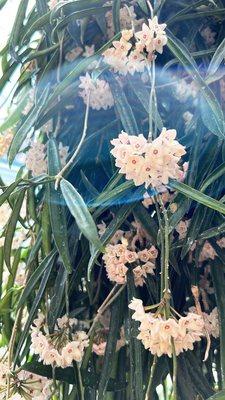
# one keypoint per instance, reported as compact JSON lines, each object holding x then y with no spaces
{"x":116,"y":15}
{"x":209,"y":233}
{"x":25,"y":128}
{"x":216,"y":60}
{"x":7,"y":192}
{"x":16,"y":29}
{"x":210,"y":105}
{"x":218,"y":279}
{"x":34,"y":308}
{"x":110,"y":351}
{"x":218,"y":396}
{"x":37,"y":274}
{"x":198,"y":196}
{"x":67,"y":375}
{"x":57,"y":296}
{"x":123,"y":107}
{"x":216,"y":174}
{"x":135,"y":345}
{"x":11,"y":227}
{"x":38,"y":24}
{"x":57,"y":207}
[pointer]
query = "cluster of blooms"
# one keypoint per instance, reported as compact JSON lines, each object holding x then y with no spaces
{"x":158,"y":333}
{"x":23,"y":385}
{"x":98,"y":92}
{"x":36,"y":157}
{"x":5,"y":141}
{"x":166,"y":197}
{"x":124,"y":57}
{"x":149,"y":163}
{"x":62,"y":347}
{"x":127,"y":16}
{"x":78,"y":51}
{"x":117,"y":258}
{"x":211,"y":321}
{"x":207,"y":252}
{"x":182,"y":228}
{"x":100,"y":341}
{"x":208,"y":35}
{"x":184,"y":90}
{"x":187,"y":117}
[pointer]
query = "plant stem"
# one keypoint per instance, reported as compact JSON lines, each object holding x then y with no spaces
{"x":151,"y":100}
{"x":107,"y":302}
{"x":70,"y":162}
{"x":11,"y":348}
{"x":149,"y":388}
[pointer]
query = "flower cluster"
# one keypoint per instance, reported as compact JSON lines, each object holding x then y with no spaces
{"x":118,"y":257}
{"x":182,"y":228}
{"x":184,"y":90}
{"x":23,"y":385}
{"x":5,"y":141}
{"x":97,"y":91}
{"x":149,"y":163}
{"x":158,"y":334}
{"x":62,"y":347}
{"x":127,"y":16}
{"x":211,"y":321}
{"x":125,"y":57}
{"x":100,"y":341}
{"x":207,"y":252}
{"x":36,"y":157}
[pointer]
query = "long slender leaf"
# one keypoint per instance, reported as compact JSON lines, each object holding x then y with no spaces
{"x":57,"y":208}
{"x":11,"y":227}
{"x":198,"y":196}
{"x":37,"y":274}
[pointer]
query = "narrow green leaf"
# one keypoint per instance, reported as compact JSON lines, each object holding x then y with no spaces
{"x":16,"y":29}
{"x":210,"y":233}
{"x":36,"y":26}
{"x":123,"y":107}
{"x":7,"y":192}
{"x":110,"y":351}
{"x":218,"y":396}
{"x":57,"y":207}
{"x":80,"y":212}
{"x":24,"y":129}
{"x":37,"y":274}
{"x":57,"y":296}
{"x":217,"y":273}
{"x":198,"y":196}
{"x":116,"y":15}
{"x":136,"y":373}
{"x":216,"y":174}
{"x":217,"y":59}
{"x":11,"y":227}
{"x":209,"y":105}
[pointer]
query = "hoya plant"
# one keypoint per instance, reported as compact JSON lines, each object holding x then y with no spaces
{"x":112,"y":201}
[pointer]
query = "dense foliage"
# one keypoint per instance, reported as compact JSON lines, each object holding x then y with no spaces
{"x":87,"y":239}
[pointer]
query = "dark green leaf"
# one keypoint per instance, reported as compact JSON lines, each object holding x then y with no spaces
{"x":198,"y":196}
{"x":57,"y":208}
{"x":11,"y":227}
{"x":30,"y":285}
